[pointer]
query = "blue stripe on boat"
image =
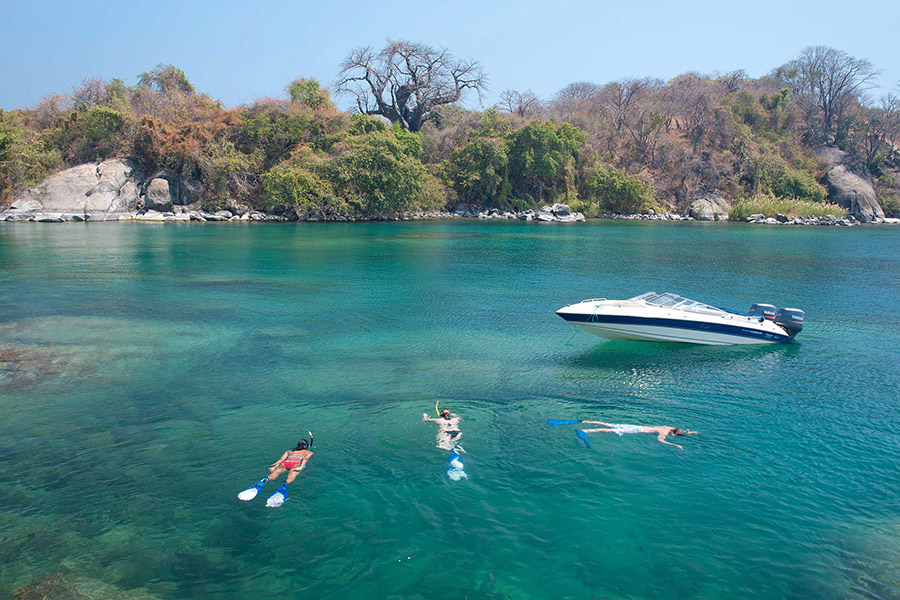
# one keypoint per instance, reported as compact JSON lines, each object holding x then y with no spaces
{"x":722,"y":328}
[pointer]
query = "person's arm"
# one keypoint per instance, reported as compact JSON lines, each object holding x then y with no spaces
{"x":425,"y":418}
{"x":278,"y":462}
{"x":302,"y":465}
{"x":662,"y":440}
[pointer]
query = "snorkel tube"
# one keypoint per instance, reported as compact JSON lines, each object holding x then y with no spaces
{"x":310,"y":438}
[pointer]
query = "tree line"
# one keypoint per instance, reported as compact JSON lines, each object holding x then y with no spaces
{"x":407,"y":145}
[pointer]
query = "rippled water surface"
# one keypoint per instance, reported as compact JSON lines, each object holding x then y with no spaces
{"x":149,"y":372}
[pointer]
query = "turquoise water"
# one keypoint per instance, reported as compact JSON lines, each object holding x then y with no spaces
{"x":148,"y":373}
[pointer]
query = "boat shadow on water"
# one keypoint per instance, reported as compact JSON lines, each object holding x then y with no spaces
{"x":619,"y":355}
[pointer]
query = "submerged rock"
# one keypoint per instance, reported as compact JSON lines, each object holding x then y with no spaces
{"x":76,"y":587}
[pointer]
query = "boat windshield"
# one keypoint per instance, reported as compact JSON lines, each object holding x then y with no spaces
{"x":676,"y":302}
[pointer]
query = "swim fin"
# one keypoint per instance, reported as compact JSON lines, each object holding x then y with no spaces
{"x":278,"y":498}
{"x":558,"y":422}
{"x":583,"y":437}
{"x":251,"y":492}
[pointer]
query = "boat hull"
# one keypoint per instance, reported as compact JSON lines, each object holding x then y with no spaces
{"x":655,"y":333}
{"x":656,"y":329}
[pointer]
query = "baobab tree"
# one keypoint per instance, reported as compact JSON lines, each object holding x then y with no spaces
{"x":405,"y":81}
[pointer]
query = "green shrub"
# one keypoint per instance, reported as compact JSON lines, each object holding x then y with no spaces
{"x":274,"y":129}
{"x":309,"y":93}
{"x":890,"y":203}
{"x":296,"y":184}
{"x":541,"y":158}
{"x":378,"y":172}
{"x":771,"y":205}
{"x":24,"y":158}
{"x":614,"y":191}
{"x":477,"y":172}
{"x":93,"y":135}
{"x":227,"y":173}
{"x":770,"y":174}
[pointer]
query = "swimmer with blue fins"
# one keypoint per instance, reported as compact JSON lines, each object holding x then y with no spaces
{"x":661,"y":431}
{"x":448,"y":429}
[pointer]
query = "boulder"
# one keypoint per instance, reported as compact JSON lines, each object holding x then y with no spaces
{"x":92,"y":188}
{"x":560,"y":210}
{"x":158,"y":197}
{"x":710,"y":207}
{"x":850,"y":191}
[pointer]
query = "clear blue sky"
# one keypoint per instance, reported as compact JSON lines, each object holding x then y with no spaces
{"x":237,"y":52}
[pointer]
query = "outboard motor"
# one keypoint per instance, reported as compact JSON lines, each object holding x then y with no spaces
{"x":791,"y":319}
{"x":763,"y":310}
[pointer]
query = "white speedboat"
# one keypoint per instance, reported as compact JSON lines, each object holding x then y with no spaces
{"x":667,"y":317}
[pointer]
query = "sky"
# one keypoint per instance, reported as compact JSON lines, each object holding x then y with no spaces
{"x":241,"y":51}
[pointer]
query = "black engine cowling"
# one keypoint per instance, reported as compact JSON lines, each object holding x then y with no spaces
{"x":763,"y":310}
{"x":791,"y":319}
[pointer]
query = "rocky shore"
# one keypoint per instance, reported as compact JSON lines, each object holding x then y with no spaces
{"x":115,"y":190}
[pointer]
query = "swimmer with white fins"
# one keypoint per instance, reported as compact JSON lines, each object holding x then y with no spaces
{"x":661,"y":431}
{"x":448,"y":429}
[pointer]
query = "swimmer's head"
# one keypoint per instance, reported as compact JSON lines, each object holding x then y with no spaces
{"x":677,"y":431}
{"x":445,"y":413}
{"x":302,"y":445}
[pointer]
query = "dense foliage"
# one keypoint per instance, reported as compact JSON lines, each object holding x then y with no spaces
{"x":623,"y":147}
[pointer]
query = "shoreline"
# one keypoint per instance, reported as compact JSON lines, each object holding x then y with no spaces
{"x":544,"y":215}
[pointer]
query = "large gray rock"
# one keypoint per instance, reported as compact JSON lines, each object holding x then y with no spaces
{"x":854,"y":193}
{"x":158,"y":197}
{"x":104,"y":188}
{"x":710,"y":207}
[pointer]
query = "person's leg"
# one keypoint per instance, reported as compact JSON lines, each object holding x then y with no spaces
{"x":276,"y":472}
{"x":598,"y":423}
{"x":292,"y":475}
{"x":443,"y":440}
{"x":598,"y":430}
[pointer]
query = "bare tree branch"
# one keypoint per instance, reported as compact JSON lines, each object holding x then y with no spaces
{"x":404,"y":81}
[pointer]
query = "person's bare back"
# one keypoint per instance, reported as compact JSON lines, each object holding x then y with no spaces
{"x":661,"y":431}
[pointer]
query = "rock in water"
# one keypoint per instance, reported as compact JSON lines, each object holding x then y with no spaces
{"x":104,"y":188}
{"x":76,"y":587}
{"x":560,"y":210}
{"x":711,"y":207}
{"x":854,"y":193}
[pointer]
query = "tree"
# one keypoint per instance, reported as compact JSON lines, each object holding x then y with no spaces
{"x":521,"y":104}
{"x":478,"y":170}
{"x":542,"y":158}
{"x":830,"y":80}
{"x":166,"y":79}
{"x":404,"y":81}
{"x":309,"y":93}
{"x":580,"y":90}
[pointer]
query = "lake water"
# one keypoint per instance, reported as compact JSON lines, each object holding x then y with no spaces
{"x":148,"y":373}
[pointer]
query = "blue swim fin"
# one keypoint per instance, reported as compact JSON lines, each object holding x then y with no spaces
{"x":583,"y":437}
{"x":251,"y":492}
{"x":558,"y":422}
{"x":278,"y":498}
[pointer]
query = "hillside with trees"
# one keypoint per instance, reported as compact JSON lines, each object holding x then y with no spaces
{"x":620,"y":147}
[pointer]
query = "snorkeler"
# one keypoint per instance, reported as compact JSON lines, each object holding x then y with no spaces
{"x":448,"y":429}
{"x":661,"y":431}
{"x":293,"y":461}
